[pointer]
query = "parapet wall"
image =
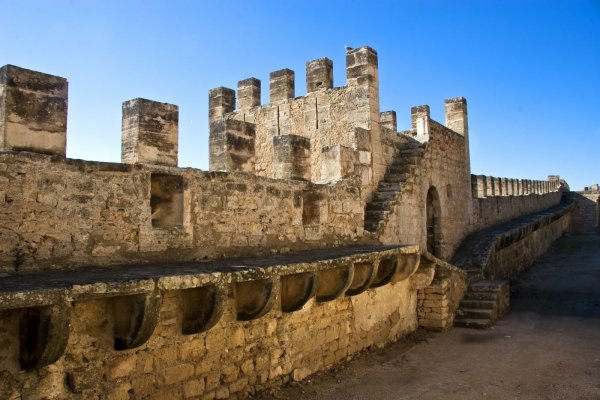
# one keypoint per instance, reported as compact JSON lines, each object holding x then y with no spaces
{"x":63,"y":213}
{"x":586,"y":213}
{"x":199,"y":334}
{"x":497,"y":200}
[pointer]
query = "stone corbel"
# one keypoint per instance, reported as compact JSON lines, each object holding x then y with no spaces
{"x":408,"y":264}
{"x":296,"y":290}
{"x":135,"y":318}
{"x":364,"y":273}
{"x":388,"y":266}
{"x":254,"y":298}
{"x":333,"y":282}
{"x":43,"y":334}
{"x":423,"y":276}
{"x":202,"y":308}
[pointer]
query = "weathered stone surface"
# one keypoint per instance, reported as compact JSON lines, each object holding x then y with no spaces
{"x":150,"y":132}
{"x":248,"y":93}
{"x":145,"y":253}
{"x":33,"y":111}
{"x":292,"y":157}
{"x":281,"y":85}
{"x":319,"y":75}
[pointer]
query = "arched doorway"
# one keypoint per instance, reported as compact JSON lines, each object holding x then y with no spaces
{"x":433,"y":212}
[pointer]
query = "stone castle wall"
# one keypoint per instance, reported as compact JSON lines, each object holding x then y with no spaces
{"x":497,"y":200}
{"x":515,"y":258}
{"x":441,"y":168}
{"x":237,"y":353}
{"x":296,"y":174}
{"x":59,"y":213}
{"x":586,"y":214}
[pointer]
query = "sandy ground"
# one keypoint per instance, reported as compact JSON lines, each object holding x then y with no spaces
{"x":547,"y":347}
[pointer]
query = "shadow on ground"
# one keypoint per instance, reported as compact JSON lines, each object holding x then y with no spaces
{"x":547,"y":347}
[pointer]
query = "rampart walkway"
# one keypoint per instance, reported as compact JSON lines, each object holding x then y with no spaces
{"x":547,"y":347}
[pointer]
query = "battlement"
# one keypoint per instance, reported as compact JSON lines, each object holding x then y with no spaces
{"x":488,"y":186}
{"x":311,"y":238}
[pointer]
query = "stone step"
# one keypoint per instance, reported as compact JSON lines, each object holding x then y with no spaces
{"x":384,"y":196}
{"x":488,"y":286}
{"x":395,"y":178}
{"x":411,"y":145}
{"x":479,"y":323}
{"x":491,"y":296}
{"x":375,"y":215}
{"x":379,"y":205}
{"x":371,"y":226}
{"x":478,"y":304}
{"x":477,"y":313}
{"x":400,"y":168}
{"x":411,"y":152}
{"x":388,"y":187}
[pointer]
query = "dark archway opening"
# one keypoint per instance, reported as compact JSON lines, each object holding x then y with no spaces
{"x":433,"y":211}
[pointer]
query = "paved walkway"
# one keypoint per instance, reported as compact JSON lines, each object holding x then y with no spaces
{"x":547,"y":347}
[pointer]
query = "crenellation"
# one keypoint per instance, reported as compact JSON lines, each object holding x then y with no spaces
{"x":456,"y":115}
{"x":149,"y":132}
{"x":491,"y":190}
{"x":248,"y":94}
{"x":319,"y":75}
{"x":317,"y":219}
{"x":33,"y":111}
{"x":418,"y":112}
{"x":489,"y":186}
{"x":388,"y":120}
{"x":281,"y":85}
{"x":221,"y":101}
{"x":361,"y":66}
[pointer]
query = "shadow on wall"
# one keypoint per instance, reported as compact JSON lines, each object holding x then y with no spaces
{"x":586,"y":214}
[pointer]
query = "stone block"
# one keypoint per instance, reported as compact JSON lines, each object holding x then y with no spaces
{"x":456,"y":115}
{"x":338,"y":163}
{"x":291,"y":157}
{"x":221,"y":101}
{"x":388,"y":120}
{"x":231,"y":144}
{"x":33,"y":111}
{"x":418,"y":112}
{"x":149,"y":132}
{"x":319,"y":75}
{"x":281,"y":85}
{"x":248,"y":93}
{"x":361,"y":67}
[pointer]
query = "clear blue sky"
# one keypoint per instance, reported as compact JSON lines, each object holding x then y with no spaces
{"x":530,"y":70}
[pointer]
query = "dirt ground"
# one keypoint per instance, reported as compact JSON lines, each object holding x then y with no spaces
{"x":547,"y":347}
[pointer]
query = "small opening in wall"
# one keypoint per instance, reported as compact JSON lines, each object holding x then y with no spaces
{"x":449,"y":191}
{"x":166,"y":200}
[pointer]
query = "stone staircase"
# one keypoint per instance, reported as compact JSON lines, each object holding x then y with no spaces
{"x":401,"y":168}
{"x":484,"y":302}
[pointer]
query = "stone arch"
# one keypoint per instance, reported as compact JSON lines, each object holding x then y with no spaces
{"x":433,"y":219}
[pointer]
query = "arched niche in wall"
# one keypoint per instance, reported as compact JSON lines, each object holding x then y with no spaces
{"x":433,"y":222}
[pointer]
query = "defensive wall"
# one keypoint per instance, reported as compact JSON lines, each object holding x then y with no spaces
{"x":320,"y":230}
{"x":586,"y":214}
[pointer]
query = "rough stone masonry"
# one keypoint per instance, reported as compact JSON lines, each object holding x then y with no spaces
{"x":320,"y":230}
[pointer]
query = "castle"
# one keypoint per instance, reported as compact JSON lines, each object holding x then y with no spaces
{"x":320,"y":230}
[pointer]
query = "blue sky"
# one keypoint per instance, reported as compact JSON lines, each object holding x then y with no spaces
{"x":530,"y":70}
